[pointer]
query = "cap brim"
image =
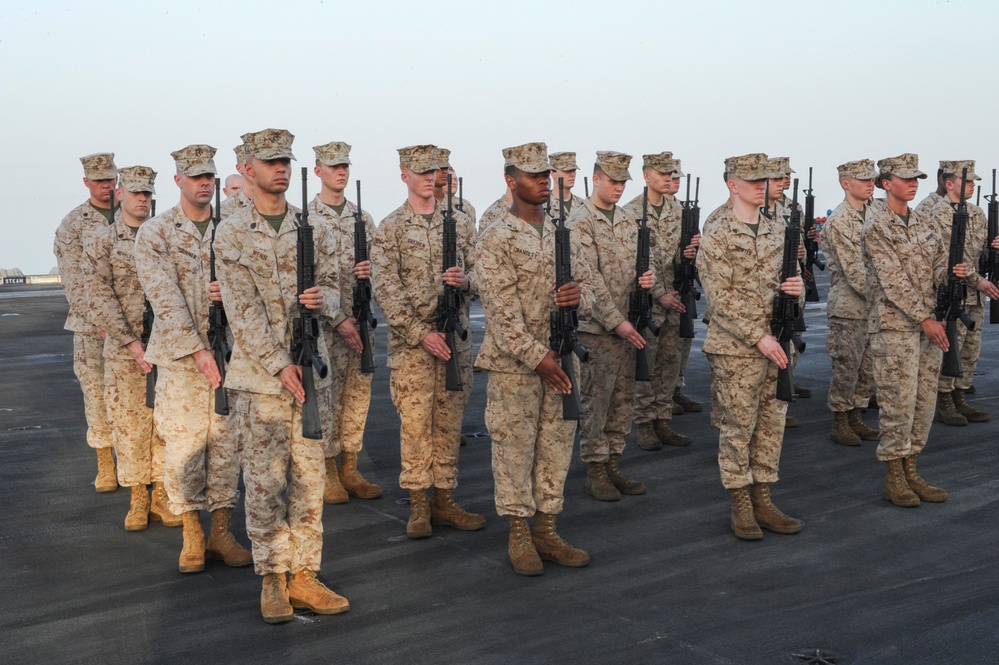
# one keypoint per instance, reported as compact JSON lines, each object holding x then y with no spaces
{"x":101,"y":175}
{"x":335,"y":162}
{"x":200,"y":170}
{"x":536,"y":167}
{"x":140,"y":190}
{"x":618,"y":176}
{"x":274,"y":154}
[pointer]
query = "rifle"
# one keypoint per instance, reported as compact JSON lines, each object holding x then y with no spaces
{"x":449,"y":302}
{"x":152,"y":208}
{"x":991,"y":271}
{"x":461,"y":197}
{"x":148,"y":317}
{"x":362,"y":290}
{"x":812,"y":257}
{"x":686,"y":273}
{"x":217,"y":321}
{"x":640,"y":299}
{"x":305,"y":328}
{"x":586,"y":186}
{"x":785,"y":322}
{"x":565,"y":320}
{"x":950,"y":296}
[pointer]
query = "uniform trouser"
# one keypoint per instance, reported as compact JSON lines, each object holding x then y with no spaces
{"x":847,"y":343}
{"x":202,"y":447}
{"x":970,"y":342}
{"x":607,"y":388}
{"x":532,"y":445}
{"x":906,"y":367}
{"x":654,"y":399}
{"x":349,"y":397}
{"x":430,"y":433}
{"x":138,"y":445}
{"x":865,"y":381}
{"x":284,"y":475}
{"x":88,"y":365}
{"x":749,"y":418}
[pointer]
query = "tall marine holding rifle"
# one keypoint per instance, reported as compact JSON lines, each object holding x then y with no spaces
{"x":279,"y":272}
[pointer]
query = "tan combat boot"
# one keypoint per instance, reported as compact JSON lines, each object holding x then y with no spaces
{"x":598,"y":485}
{"x":192,"y":555}
{"x":419,"y":515}
{"x":743,"y":523}
{"x":668,"y":435}
{"x":790,"y":421}
{"x":647,"y":439}
{"x":972,"y":414}
{"x":947,"y":413}
{"x":523,"y":556}
{"x":137,"y":518}
{"x":334,"y":491}
{"x":222,"y":544}
{"x":274,"y":605}
{"x":923,"y":489}
{"x":768,"y":515}
{"x":159,"y":509}
{"x":305,"y":591}
{"x":551,"y":546}
{"x":354,"y":482}
{"x":106,"y":480}
{"x":896,"y":488}
{"x":688,"y":405}
{"x":678,"y":409}
{"x":623,"y":483}
{"x":445,"y":511}
{"x":842,"y":433}
{"x":861,"y":429}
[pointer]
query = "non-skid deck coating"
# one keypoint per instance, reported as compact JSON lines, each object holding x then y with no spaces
{"x":865,"y":582}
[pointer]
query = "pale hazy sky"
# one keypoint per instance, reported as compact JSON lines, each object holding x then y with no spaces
{"x":821,"y":82}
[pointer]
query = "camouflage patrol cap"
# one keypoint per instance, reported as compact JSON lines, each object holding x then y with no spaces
{"x":99,"y":166}
{"x":418,"y":158}
{"x":529,"y":158}
{"x":269,"y":144}
{"x":955,"y":167}
{"x":334,"y":153}
{"x":137,"y":179}
{"x":614,"y":164}
{"x":443,"y":158}
{"x":905,"y":165}
{"x":862,"y":169}
{"x":195,"y":160}
{"x":748,"y":167}
{"x":563,"y":161}
{"x":780,"y":167}
{"x":663,"y":163}
{"x":242,"y":153}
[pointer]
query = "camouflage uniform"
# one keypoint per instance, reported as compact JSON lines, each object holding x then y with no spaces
{"x":283,"y":471}
{"x":740,"y":274}
{"x":969,"y":341}
{"x":494,"y":212}
{"x":350,"y":391}
{"x":116,"y":303}
{"x":532,"y":444}
{"x":851,"y":384}
{"x":234,"y":204}
{"x":905,"y":262}
{"x":607,"y":381}
{"x":202,"y":447}
{"x":406,"y":260}
{"x":926,"y":205}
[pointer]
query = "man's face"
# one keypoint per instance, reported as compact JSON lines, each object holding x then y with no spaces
{"x":270,"y":175}
{"x":953,"y":186}
{"x":568,"y":179}
{"x":233,"y":184}
{"x":532,"y":188}
{"x":420,"y":185}
{"x":657,"y":182}
{"x":454,"y":182}
{"x":334,"y":177}
{"x":858,"y":189}
{"x":901,"y":188}
{"x":785,"y":183}
{"x":136,"y":204}
{"x":750,"y":192}
{"x":776,"y":188}
{"x":441,"y":178}
{"x":198,"y":190}
{"x":100,"y":190}
{"x":606,"y":189}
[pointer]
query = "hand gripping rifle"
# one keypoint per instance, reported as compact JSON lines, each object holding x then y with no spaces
{"x":785,"y":321}
{"x":991,"y":271}
{"x":449,"y":302}
{"x":640,"y":300}
{"x":686,"y":274}
{"x":362,"y":290}
{"x":565,"y":320}
{"x":812,"y":257}
{"x":950,"y":297}
{"x":217,"y":321}
{"x":305,"y":328}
